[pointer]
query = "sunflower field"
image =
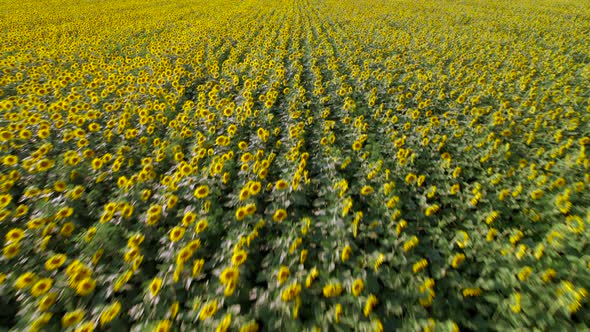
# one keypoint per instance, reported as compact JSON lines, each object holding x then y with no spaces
{"x":294,"y":165}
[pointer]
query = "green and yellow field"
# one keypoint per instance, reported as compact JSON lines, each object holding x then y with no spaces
{"x":303,"y":165}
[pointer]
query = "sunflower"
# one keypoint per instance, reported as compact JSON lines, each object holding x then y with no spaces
{"x":229,"y":274}
{"x":74,"y":267}
{"x":421,"y":180}
{"x":279,"y":215}
{"x":127,"y":211}
{"x":337,"y":313}
{"x":332,"y":290}
{"x":457,"y":260}
{"x":47,"y":301}
{"x":208,"y":310}
{"x":11,"y":250}
{"x":21,"y":210}
{"x":183,"y":255}
{"x":201,"y":226}
{"x":77,"y":276}
{"x":163,"y":326}
{"x":55,"y":262}
{"x":230,"y":288}
{"x":145,"y":194}
{"x":226,"y":177}
{"x":291,"y":292}
{"x":122,"y":280}
{"x":455,"y":189}
{"x":44,"y":165}
{"x":250,"y":327}
{"x":25,"y":280}
{"x":281,"y":184}
{"x":64,"y":212}
{"x":303,"y":256}
{"x":250,"y":209}
{"x":94,"y":127}
{"x":155,"y":286}
{"x":356,"y":146}
{"x":244,"y":194}
{"x":366,"y":190}
{"x":71,"y":318}
{"x":224,"y":325}
{"x":239,"y":257}
{"x":152,"y":219}
{"x":201,"y":191}
{"x":41,"y":321}
{"x":189,"y":218}
{"x":76,"y":193}
{"x":4,"y":214}
{"x":85,"y":327}
{"x":263,"y":172}
{"x":420,"y":265}
{"x":194,"y":245}
{"x":241,"y":213}
{"x":246,"y":157}
{"x":6,"y":135}
{"x":131,"y":254}
{"x":85,"y":286}
{"x":41,"y":287}
{"x":410,"y":178}
{"x":96,"y":164}
{"x":198,"y":267}
{"x":10,"y":160}
{"x":135,"y":240}
{"x":357,"y":287}
{"x":97,"y":256}
{"x":537,"y":194}
{"x":370,"y":304}
{"x":5,"y":200}
{"x":137,"y":262}
{"x":172,"y":200}
{"x":110,"y":313}
{"x":283,"y":274}
{"x":67,"y":229}
{"x":176,"y":234}
{"x":254,"y":188}
{"x":346,"y":253}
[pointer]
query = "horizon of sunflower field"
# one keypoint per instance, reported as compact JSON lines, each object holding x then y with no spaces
{"x":304,"y":165}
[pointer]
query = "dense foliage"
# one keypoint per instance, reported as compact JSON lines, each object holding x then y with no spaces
{"x":263,"y":165}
